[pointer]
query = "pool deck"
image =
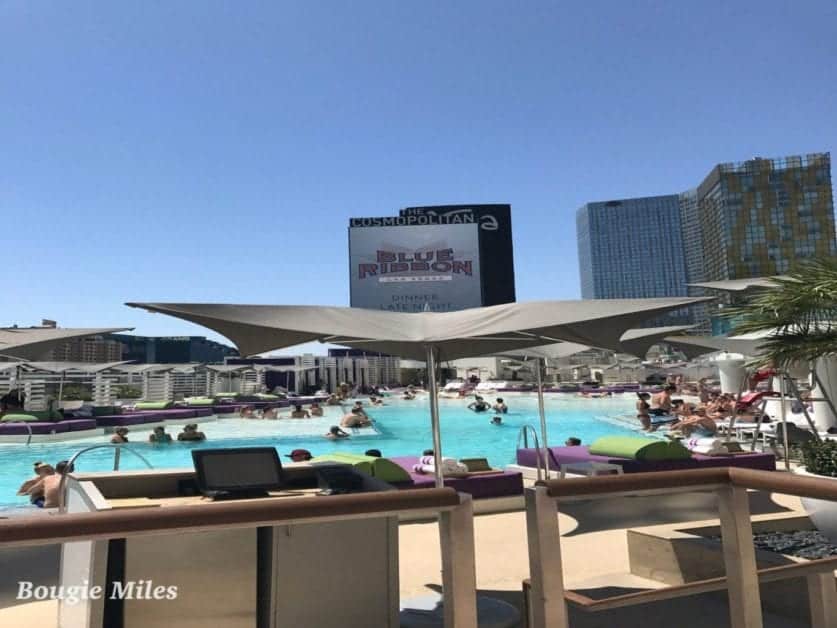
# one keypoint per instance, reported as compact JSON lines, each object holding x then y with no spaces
{"x":594,"y":549}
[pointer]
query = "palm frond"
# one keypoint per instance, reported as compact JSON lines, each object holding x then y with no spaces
{"x":800,"y":311}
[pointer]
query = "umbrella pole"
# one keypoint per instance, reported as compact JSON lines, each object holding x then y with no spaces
{"x":60,"y":388}
{"x":434,"y":415}
{"x":783,"y":413}
{"x":542,"y":413}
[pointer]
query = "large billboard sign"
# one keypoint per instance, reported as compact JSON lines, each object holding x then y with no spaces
{"x":409,"y":268}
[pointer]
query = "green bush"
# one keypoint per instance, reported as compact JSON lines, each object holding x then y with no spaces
{"x":820,"y":458}
{"x":76,"y":393}
{"x":128,"y":392}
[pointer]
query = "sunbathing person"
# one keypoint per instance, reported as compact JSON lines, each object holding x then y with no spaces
{"x":299,"y":413}
{"x":500,"y":406}
{"x":159,"y":435}
{"x":335,"y":433}
{"x":315,"y":409}
{"x":121,"y":436}
{"x":355,"y":418}
{"x":190,"y":432}
{"x":698,"y":424}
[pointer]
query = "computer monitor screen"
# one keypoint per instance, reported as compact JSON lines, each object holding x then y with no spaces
{"x":243,"y":469}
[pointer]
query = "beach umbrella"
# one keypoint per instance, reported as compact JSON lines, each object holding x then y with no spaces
{"x":428,"y":336}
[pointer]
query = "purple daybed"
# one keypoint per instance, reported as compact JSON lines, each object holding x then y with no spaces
{"x":38,"y":428}
{"x":570,"y":455}
{"x":500,"y":484}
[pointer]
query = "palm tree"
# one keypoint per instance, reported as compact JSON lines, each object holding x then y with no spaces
{"x":800,"y":310}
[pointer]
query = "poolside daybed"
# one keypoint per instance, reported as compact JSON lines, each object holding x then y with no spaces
{"x":572,"y":455}
{"x":478,"y":485}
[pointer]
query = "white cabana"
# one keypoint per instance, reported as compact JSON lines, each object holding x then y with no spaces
{"x":429,"y":335}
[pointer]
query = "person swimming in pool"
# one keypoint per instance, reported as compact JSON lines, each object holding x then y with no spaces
{"x":497,"y":420}
{"x":41,"y":471}
{"x":500,"y":406}
{"x":121,"y":436}
{"x":478,"y":404}
{"x":315,"y":409}
{"x":159,"y":436}
{"x":335,"y":433}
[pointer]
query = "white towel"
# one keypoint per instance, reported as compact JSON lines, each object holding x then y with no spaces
{"x":706,"y":445}
{"x":449,"y":466}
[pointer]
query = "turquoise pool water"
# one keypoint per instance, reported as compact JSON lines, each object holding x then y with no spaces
{"x":402,"y":428}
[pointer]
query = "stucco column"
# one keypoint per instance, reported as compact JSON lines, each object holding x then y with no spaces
{"x":733,"y":371}
{"x":826,"y":369}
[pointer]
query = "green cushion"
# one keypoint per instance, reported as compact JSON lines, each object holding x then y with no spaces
{"x":381,"y":468}
{"x":46,"y":415}
{"x":226,"y":395}
{"x":637,"y":448}
{"x":153,"y":405}
{"x":19,"y":418}
{"x":476,"y":464}
{"x":199,"y":401}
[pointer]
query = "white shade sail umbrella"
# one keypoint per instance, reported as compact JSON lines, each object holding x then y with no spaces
{"x":32,"y":343}
{"x":424,"y":335}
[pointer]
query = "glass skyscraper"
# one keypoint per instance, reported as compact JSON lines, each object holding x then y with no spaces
{"x":750,"y":219}
{"x":633,"y":248}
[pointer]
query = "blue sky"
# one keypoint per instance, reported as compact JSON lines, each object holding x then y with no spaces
{"x":214,"y":151}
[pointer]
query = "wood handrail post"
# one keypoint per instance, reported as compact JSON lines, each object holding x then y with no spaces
{"x":459,"y":573}
{"x":548,"y":607}
{"x":822,"y":596}
{"x":739,"y":558}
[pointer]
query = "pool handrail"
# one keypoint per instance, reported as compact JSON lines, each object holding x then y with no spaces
{"x":117,"y":454}
{"x":523,"y":435}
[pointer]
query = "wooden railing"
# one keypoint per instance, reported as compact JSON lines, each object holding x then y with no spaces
{"x":548,"y":597}
{"x":455,"y":513}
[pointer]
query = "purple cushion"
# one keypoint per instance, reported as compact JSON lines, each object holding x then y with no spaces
{"x":501,"y":484}
{"x":570,"y":455}
{"x":78,"y":425}
{"x":226,"y":409}
{"x":120,"y":420}
{"x":14,"y":429}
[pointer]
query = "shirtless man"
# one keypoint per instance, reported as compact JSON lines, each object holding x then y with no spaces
{"x":355,"y":419}
{"x":41,"y":471}
{"x":661,"y":401}
{"x":50,"y":484}
{"x":315,"y":409}
{"x":121,"y":436}
{"x":299,"y":413}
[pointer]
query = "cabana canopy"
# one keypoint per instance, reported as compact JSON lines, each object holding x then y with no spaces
{"x":739,"y":285}
{"x":31,"y":343}
{"x":466,"y":333}
{"x":86,"y":368}
{"x":693,"y":346}
{"x":639,"y":341}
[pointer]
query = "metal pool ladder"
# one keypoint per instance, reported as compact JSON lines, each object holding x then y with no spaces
{"x":523,"y":435}
{"x":117,"y":455}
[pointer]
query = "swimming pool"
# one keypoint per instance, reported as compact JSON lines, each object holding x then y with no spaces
{"x":401,"y":428}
